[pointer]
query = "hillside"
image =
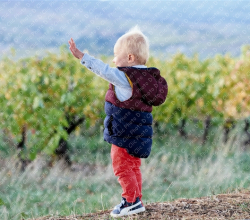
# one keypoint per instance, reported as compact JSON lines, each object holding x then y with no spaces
{"x":233,"y":205}
{"x":206,"y":27}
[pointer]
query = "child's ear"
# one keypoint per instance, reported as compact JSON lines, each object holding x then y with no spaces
{"x":131,"y":58}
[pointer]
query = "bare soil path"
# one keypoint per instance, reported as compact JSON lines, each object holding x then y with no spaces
{"x":234,"y":205}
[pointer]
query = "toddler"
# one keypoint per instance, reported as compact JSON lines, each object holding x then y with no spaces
{"x":133,"y":90}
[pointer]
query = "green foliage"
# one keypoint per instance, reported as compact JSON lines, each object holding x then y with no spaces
{"x":48,"y":94}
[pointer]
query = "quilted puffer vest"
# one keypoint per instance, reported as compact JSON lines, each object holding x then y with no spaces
{"x":128,"y":124}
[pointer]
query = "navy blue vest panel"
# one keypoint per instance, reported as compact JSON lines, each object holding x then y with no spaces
{"x":128,"y":129}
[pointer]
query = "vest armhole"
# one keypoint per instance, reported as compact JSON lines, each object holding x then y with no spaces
{"x":114,"y":91}
{"x":131,"y":84}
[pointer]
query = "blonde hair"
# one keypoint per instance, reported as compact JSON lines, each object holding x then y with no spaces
{"x":135,"y":42}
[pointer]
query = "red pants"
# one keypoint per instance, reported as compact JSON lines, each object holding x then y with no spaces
{"x":127,"y":168}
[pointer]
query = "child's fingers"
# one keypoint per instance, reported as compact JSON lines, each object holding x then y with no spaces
{"x":71,"y":41}
{"x":72,"y":44}
{"x":72,"y":51}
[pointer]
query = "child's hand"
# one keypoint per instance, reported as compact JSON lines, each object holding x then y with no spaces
{"x":77,"y":53}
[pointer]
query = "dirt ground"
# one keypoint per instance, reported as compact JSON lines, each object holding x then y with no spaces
{"x":234,"y":205}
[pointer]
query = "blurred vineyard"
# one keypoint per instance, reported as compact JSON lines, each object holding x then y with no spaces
{"x":55,"y":95}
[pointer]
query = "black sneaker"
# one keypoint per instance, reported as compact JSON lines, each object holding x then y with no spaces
{"x":126,"y":208}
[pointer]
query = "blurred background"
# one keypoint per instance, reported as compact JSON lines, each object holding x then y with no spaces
{"x":206,"y":27}
{"x":53,"y":159}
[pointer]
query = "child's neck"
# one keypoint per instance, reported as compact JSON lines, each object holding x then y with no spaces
{"x":137,"y":64}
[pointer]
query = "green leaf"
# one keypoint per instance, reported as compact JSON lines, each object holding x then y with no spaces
{"x":24,"y":214}
{"x":63,"y":99}
{"x":62,"y":133}
{"x":33,"y":152}
{"x":52,"y":145}
{"x":3,"y":149}
{"x":2,"y":202}
{"x":36,"y":102}
{"x":64,"y":122}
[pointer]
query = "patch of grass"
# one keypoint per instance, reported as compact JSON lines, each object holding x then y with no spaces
{"x":176,"y":168}
{"x":245,"y":206}
{"x":244,"y":162}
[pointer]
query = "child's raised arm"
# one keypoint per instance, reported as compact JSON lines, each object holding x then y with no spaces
{"x":77,"y":53}
{"x":103,"y":70}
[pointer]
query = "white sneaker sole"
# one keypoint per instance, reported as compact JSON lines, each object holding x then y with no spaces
{"x":142,"y":209}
